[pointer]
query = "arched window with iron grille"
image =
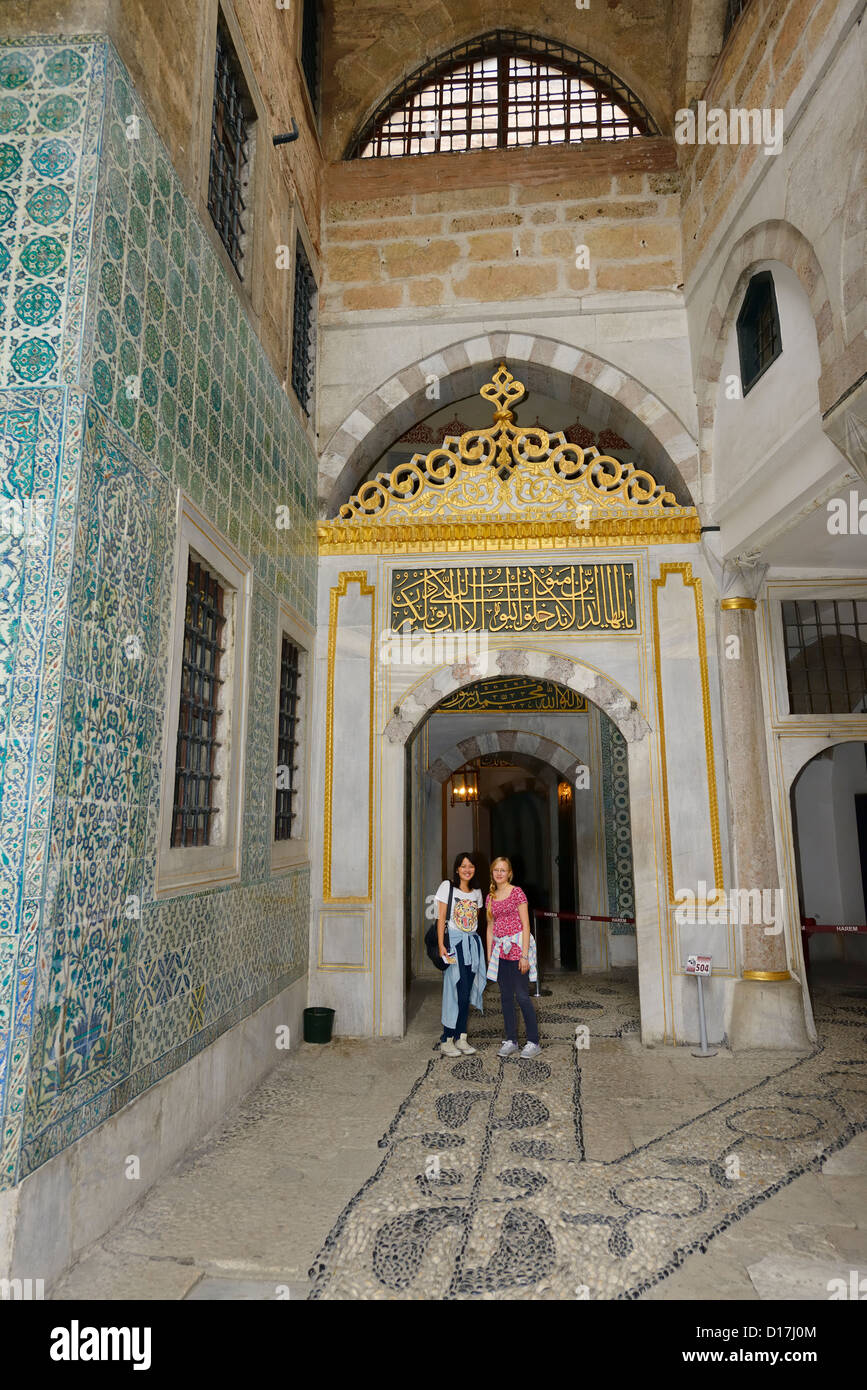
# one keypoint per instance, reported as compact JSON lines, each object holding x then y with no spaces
{"x":505,"y":89}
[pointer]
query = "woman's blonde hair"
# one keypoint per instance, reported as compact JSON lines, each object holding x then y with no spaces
{"x":500,"y":859}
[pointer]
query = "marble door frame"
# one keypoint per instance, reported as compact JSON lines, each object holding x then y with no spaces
{"x":649,"y":868}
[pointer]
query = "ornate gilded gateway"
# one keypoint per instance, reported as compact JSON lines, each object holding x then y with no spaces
{"x":512,"y":695}
{"x":514,"y":598}
{"x":508,"y":487}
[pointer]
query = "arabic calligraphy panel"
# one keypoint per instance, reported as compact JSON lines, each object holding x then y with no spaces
{"x":516,"y":695}
{"x":515,"y":598}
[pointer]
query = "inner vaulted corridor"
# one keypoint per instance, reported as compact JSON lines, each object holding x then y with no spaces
{"x":433,"y":650}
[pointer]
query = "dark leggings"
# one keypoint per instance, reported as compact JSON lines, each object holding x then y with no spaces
{"x":512,"y":982}
{"x":465,"y":987}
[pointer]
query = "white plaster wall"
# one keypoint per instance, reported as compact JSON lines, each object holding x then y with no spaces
{"x":772,"y":459}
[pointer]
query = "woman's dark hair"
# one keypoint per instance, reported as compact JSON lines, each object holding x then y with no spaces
{"x":459,"y":859}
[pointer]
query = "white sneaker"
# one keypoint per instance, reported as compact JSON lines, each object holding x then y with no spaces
{"x":448,"y":1048}
{"x":531,"y":1050}
{"x":463,"y":1046}
{"x":507,"y":1048}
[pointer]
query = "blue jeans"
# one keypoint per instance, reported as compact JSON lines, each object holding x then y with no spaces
{"x":465,"y":985}
{"x":512,"y":982}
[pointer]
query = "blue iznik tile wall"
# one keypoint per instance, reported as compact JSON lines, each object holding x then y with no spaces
{"x":128,"y":368}
{"x":618,"y":828}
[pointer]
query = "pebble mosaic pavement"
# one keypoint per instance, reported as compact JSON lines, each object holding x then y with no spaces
{"x":518,"y":1210}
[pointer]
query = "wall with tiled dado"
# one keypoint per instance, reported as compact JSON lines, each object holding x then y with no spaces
{"x":107,"y":274}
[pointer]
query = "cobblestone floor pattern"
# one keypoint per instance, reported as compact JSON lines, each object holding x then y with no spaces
{"x":519,"y":1210}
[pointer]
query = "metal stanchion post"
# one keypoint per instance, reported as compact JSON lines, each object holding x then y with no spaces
{"x":704,"y":1051}
{"x":539,"y":990}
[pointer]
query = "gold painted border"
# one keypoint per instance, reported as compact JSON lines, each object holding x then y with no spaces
{"x":367,"y":537}
{"x":346,"y":967}
{"x":337,"y":593}
{"x":684,"y":569}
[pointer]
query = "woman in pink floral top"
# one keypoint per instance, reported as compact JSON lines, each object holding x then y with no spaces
{"x":511,"y":956}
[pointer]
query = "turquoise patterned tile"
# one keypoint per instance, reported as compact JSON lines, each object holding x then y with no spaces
{"x":108,"y":283}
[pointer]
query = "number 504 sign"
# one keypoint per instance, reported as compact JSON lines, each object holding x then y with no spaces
{"x":698,"y":965}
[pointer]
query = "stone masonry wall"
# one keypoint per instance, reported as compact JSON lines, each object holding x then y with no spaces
{"x":761,"y":65}
{"x":431,"y":235}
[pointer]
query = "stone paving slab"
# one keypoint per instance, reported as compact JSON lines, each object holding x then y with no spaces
{"x":486,"y":1190}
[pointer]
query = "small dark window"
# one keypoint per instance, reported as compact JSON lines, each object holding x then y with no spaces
{"x":303,"y":329}
{"x":311,"y":50}
{"x":826,"y":655}
{"x":734,"y":10}
{"x":758,"y":329}
{"x":287,"y":740}
{"x":194,"y":808}
{"x":229,"y":174}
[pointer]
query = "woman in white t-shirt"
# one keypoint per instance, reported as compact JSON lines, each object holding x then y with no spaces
{"x":465,"y":979}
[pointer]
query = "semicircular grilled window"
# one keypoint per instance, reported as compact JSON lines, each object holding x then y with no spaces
{"x":503,"y":90}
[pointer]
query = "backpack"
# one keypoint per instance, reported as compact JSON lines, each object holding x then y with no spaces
{"x":431,"y":944}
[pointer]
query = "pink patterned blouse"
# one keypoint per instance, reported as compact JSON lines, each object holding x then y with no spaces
{"x":506,"y":918}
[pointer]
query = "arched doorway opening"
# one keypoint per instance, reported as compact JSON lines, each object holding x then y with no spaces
{"x":548,"y":779}
{"x":829,"y":828}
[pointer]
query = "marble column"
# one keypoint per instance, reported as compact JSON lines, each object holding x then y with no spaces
{"x":768,"y":1007}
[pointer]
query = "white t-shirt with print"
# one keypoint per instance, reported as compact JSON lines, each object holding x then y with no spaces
{"x":465,"y":906}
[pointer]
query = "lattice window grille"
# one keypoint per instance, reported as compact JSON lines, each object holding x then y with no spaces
{"x":311,"y":48}
{"x":287,"y":739}
{"x":511,"y":90}
{"x":229,"y":173}
{"x":197,"y":744}
{"x":826,"y":655}
{"x":303,"y":329}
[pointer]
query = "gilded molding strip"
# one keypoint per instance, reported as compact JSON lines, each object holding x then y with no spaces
{"x":738,"y":603}
{"x":684,"y":569}
{"x":766,"y":975}
{"x":337,"y":593}
{"x":370,"y":538}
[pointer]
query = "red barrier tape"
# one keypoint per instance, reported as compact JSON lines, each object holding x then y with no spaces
{"x":580,"y":916}
{"x":808,"y":928}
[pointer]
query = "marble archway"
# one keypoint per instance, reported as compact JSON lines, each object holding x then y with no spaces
{"x":622,"y":708}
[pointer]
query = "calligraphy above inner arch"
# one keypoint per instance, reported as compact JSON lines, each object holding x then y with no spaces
{"x":514,"y":695}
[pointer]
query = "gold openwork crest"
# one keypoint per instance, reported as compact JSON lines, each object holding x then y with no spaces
{"x":505,"y":482}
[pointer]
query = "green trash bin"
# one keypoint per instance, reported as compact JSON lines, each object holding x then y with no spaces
{"x":317,"y":1025}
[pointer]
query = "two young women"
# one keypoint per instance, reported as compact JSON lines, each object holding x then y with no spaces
{"x":511,"y":955}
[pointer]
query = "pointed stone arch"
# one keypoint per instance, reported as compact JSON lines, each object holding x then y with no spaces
{"x":518,"y":742}
{"x":543,"y":364}
{"x":599,"y":689}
